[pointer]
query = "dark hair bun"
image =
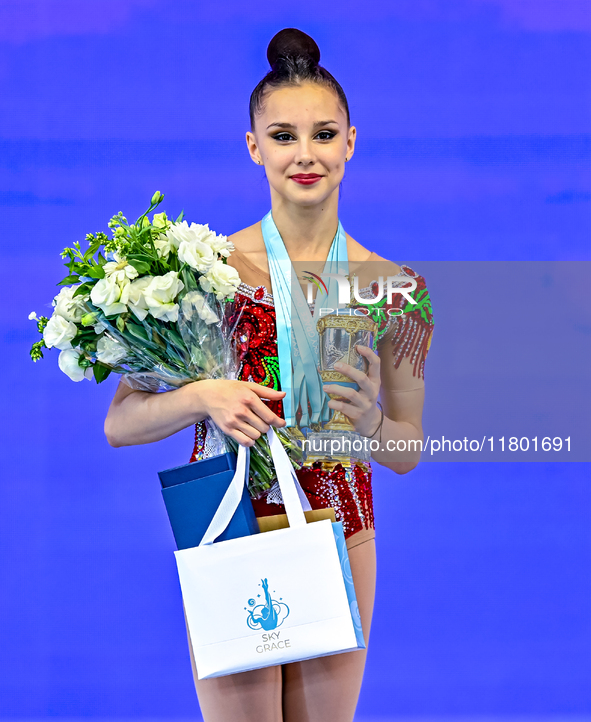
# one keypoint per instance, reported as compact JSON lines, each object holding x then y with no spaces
{"x":292,"y":43}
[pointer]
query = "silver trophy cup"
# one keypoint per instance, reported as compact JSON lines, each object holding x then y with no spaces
{"x":339,"y":336}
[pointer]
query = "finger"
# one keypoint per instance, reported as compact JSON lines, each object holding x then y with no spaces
{"x":264,"y":412}
{"x":246,"y":428}
{"x":350,"y":411}
{"x":241,"y":438}
{"x":251,"y":419}
{"x":265,"y":392}
{"x":354,"y":374}
{"x":345,"y":391}
{"x":349,"y":371}
{"x":374,"y":361}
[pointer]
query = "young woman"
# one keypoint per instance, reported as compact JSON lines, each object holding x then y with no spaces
{"x":301,"y":134}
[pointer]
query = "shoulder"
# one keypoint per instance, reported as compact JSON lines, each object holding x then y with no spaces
{"x":248,"y":240}
{"x":360,"y":255}
{"x":367,"y":265}
{"x":249,"y":256}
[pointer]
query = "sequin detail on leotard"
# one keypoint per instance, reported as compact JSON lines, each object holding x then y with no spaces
{"x":344,"y":487}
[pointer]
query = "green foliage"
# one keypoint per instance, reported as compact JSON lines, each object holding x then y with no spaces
{"x":134,"y":242}
{"x":36,"y":352}
{"x":100,"y":372}
{"x":83,"y":288}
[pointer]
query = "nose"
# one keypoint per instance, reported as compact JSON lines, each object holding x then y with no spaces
{"x":304,"y":153}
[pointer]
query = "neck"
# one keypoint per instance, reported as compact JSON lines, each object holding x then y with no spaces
{"x":307,"y":231}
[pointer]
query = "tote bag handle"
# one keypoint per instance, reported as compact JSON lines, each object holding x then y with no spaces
{"x":294,"y":499}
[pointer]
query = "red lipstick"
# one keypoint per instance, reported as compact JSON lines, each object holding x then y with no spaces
{"x":306,"y":179}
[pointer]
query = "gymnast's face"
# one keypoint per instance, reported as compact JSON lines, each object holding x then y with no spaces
{"x":302,"y":138}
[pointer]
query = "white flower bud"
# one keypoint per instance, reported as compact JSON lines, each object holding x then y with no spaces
{"x":160,"y":296}
{"x":109,"y":351}
{"x":221,"y":279}
{"x":68,"y":363}
{"x":59,"y":332}
{"x":110,"y":296}
{"x":69,"y":306}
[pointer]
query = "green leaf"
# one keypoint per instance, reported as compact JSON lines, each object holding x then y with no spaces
{"x":83,"y":288}
{"x":181,"y":216}
{"x":140,"y":266}
{"x":188,"y":278}
{"x":95,"y":272}
{"x":92,"y":249}
{"x":137,"y":331}
{"x":140,"y":256}
{"x":83,"y":334}
{"x":100,"y":372}
{"x":68,"y":280}
{"x":158,"y":339}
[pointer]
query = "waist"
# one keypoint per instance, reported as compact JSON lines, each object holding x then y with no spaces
{"x":345,"y":487}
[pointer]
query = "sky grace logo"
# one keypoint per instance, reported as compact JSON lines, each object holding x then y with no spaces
{"x":266,"y":615}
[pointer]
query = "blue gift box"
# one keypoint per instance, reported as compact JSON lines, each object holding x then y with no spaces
{"x":192,"y":494}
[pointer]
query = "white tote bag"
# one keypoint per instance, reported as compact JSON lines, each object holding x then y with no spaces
{"x":271,"y":598}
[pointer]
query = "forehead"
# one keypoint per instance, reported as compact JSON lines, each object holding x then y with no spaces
{"x":301,"y":105}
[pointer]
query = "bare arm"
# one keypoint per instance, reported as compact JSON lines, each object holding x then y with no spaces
{"x":139,"y":417}
{"x":402,"y":396}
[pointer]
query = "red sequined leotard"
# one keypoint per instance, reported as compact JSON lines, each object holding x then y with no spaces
{"x":345,"y":488}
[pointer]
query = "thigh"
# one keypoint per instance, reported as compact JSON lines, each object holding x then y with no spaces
{"x":326,"y":689}
{"x":246,"y":697}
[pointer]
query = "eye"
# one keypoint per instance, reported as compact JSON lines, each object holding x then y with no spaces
{"x":283,"y":137}
{"x":326,"y":135}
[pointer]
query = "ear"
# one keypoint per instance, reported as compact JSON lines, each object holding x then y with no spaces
{"x":351,"y":138}
{"x":253,"y":148}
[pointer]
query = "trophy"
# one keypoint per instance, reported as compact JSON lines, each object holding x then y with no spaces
{"x":339,"y":336}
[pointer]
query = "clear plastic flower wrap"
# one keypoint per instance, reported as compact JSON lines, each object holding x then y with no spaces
{"x":157,"y":308}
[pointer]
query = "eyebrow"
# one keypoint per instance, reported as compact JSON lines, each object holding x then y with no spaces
{"x":290,"y":126}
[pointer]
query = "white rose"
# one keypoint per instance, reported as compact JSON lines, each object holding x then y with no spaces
{"x":119,"y":269}
{"x":197,"y":254}
{"x":160,"y":296}
{"x":176,"y":233}
{"x":203,"y":233}
{"x":70,"y":307}
{"x":59,"y":332}
{"x":222,"y":279}
{"x":136,"y":301}
{"x":163,"y":246}
{"x":110,"y":296}
{"x":221,"y":245}
{"x":110,"y":351}
{"x":195,"y":301}
{"x":68,"y":363}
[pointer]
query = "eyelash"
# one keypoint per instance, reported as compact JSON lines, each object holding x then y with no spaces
{"x":331,"y":134}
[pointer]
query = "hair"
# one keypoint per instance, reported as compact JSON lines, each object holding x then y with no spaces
{"x":294,"y":58}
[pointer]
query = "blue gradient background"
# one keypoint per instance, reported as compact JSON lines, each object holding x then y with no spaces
{"x":474,"y":145}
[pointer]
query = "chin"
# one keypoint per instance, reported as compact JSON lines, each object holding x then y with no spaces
{"x":309,"y":196}
{"x":308,"y":202}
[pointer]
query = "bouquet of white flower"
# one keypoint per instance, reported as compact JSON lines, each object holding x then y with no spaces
{"x":156,"y":308}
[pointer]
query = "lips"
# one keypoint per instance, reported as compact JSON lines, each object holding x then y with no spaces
{"x":306,"y":179}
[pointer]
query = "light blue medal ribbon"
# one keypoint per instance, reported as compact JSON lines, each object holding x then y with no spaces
{"x":297,"y":338}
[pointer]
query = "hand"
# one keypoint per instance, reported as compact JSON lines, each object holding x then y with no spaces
{"x":236,"y":407}
{"x":361,"y":406}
